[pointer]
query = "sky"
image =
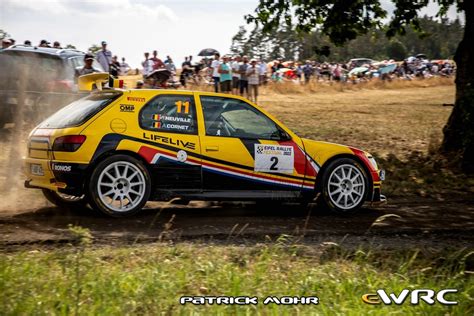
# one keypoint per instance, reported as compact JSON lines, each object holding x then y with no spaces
{"x":131,"y":27}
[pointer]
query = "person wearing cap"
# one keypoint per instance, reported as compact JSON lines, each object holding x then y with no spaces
{"x":253,"y":75}
{"x":44,"y":43}
{"x":104,"y":57}
{"x":225,"y":73}
{"x":88,"y":67}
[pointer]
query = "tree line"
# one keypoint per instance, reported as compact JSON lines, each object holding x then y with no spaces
{"x":438,"y":39}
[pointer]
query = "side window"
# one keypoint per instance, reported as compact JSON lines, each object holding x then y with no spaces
{"x":235,"y":118}
{"x":170,"y":113}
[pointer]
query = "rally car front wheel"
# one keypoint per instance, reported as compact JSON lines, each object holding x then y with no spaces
{"x":119,"y":186}
{"x":344,"y":185}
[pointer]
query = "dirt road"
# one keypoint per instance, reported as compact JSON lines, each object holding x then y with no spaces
{"x":401,"y":223}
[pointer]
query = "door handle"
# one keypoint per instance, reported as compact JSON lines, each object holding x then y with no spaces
{"x":212,"y":148}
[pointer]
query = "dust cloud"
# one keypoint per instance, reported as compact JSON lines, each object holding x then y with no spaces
{"x":31,"y":89}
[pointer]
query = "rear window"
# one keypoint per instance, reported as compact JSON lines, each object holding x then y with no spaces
{"x":78,"y":112}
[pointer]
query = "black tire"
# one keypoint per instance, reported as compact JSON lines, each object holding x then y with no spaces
{"x":121,"y":186}
{"x":355,"y":192}
{"x":64,"y":200}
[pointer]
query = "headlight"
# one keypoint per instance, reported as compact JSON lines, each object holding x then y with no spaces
{"x":372,"y":161}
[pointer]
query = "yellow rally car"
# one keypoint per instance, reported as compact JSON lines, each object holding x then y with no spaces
{"x":116,"y":149}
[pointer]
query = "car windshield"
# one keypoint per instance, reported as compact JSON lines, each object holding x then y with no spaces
{"x":80,"y":111}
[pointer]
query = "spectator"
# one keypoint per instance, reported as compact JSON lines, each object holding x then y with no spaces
{"x":252,"y":73}
{"x":307,"y":71}
{"x":243,"y":83}
{"x":157,"y":63}
{"x":170,"y":66}
{"x":27,"y":43}
{"x":57,"y":45}
{"x":262,"y":71}
{"x":114,"y":67}
{"x":215,"y":68}
{"x":186,"y":71}
{"x":139,"y":84}
{"x":235,"y":65}
{"x":44,"y":43}
{"x":104,"y":57}
{"x":147,"y":65}
{"x":225,"y":73}
{"x":6,"y":43}
{"x":124,"y":67}
{"x":337,"y":72}
{"x":88,"y":68}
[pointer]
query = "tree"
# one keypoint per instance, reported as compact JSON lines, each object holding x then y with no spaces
{"x":3,"y":34}
{"x":396,"y":50}
{"x":344,"y":20}
{"x":238,"y":41}
{"x":70,"y":46}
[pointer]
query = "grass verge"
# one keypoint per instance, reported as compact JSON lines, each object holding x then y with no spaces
{"x":150,"y":279}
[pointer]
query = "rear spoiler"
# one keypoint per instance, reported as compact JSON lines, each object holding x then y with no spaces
{"x":97,"y":81}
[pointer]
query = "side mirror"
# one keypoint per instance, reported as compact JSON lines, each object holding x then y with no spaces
{"x":284,"y":135}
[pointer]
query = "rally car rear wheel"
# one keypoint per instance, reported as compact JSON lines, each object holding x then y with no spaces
{"x":64,"y":200}
{"x":120,"y":185}
{"x":345,"y":185}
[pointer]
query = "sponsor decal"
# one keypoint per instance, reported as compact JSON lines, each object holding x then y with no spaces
{"x":248,"y":300}
{"x":178,"y":119}
{"x":274,"y":158}
{"x":428,"y":296}
{"x":135,"y":99}
{"x":182,"y":156}
{"x":62,"y":168}
{"x":127,"y":108}
{"x":169,"y":140}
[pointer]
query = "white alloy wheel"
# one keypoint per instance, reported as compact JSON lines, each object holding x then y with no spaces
{"x":346,"y":186}
{"x":121,"y":186}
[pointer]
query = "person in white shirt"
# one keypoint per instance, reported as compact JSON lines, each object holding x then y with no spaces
{"x":215,"y":68}
{"x":147,"y":65}
{"x":124,"y":67}
{"x":253,"y":74}
{"x":104,"y":57}
{"x":235,"y":65}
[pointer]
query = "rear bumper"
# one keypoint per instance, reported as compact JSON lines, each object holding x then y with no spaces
{"x":57,"y":176}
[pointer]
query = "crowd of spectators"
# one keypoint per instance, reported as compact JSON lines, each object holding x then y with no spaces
{"x":242,"y":75}
{"x":360,"y":70}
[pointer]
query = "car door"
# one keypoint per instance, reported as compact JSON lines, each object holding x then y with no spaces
{"x":244,"y":150}
{"x":169,"y":132}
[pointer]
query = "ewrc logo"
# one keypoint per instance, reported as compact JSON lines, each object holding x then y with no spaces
{"x":416,"y":296}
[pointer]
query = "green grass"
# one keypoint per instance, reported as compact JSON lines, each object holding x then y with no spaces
{"x":149,"y":279}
